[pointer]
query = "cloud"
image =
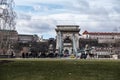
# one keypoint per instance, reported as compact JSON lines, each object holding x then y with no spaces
{"x":29,"y":24}
{"x":37,"y":7}
{"x":24,"y":16}
{"x":42,"y":16}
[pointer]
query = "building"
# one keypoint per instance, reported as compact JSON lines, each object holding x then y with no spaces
{"x":8,"y":37}
{"x":102,"y":37}
{"x":108,"y":43}
{"x":23,"y":38}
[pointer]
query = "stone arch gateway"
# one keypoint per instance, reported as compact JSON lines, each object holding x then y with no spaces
{"x":67,"y":38}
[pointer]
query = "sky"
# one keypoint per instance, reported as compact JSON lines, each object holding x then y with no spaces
{"x":41,"y":16}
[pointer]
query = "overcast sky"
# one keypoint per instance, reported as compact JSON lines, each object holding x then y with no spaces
{"x":41,"y":16}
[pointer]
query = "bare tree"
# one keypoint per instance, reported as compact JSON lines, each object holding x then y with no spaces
{"x":7,"y":21}
{"x":7,"y":15}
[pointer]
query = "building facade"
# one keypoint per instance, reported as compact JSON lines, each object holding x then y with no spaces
{"x":11,"y":40}
{"x":8,"y":37}
{"x":23,"y":38}
{"x":102,"y":37}
{"x":108,"y":43}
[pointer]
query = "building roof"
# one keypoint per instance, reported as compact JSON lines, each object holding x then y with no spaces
{"x":101,"y":33}
{"x":25,"y":35}
{"x":85,"y":32}
{"x":8,"y":31}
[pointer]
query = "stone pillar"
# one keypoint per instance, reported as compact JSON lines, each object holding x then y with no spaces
{"x":77,"y":41}
{"x":57,"y":41}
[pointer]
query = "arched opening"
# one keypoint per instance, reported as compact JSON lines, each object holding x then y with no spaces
{"x":66,"y":51}
{"x":67,"y":40}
